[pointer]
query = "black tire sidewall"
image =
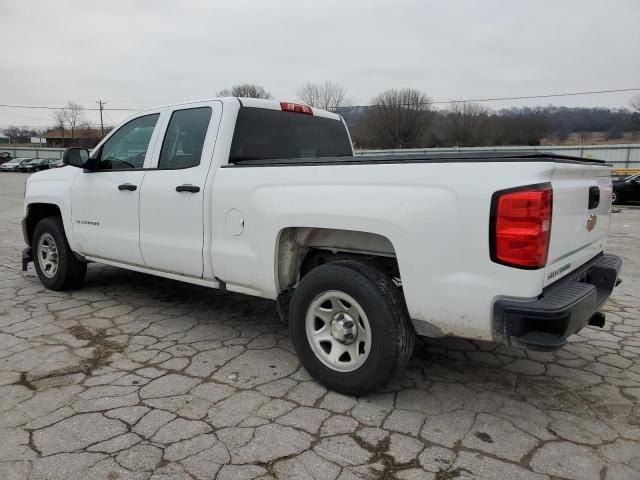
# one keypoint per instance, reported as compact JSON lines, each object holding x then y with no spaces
{"x":384,"y":355}
{"x":53,"y":226}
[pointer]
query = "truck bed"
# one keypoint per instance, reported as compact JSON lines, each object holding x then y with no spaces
{"x":490,"y":157}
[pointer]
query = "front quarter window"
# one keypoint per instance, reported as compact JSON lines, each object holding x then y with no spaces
{"x":127,"y":148}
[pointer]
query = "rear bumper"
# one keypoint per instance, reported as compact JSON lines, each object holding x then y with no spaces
{"x":563,"y":309}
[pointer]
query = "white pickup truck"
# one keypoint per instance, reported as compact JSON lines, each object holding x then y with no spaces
{"x":361,"y":253}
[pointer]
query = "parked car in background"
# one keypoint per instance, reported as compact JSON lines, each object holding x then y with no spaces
{"x":4,"y":157}
{"x":14,"y":165}
{"x":56,"y":164}
{"x":37,"y":164}
{"x":626,"y":189}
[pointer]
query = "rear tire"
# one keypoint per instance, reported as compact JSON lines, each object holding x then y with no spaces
{"x":56,"y":265}
{"x":328,"y":301}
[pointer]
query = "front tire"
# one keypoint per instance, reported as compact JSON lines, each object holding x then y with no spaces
{"x":350,"y":327}
{"x":56,"y":265}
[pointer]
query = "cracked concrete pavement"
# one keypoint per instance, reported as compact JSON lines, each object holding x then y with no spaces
{"x":137,"y":377}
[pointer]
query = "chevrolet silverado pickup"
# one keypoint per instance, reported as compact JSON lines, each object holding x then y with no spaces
{"x":360,"y":253}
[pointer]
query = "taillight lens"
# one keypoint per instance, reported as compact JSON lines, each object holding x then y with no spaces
{"x":296,"y":107}
{"x":521,"y":226}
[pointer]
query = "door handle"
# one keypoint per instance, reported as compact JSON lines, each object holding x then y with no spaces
{"x":127,"y":186}
{"x":187,"y":188}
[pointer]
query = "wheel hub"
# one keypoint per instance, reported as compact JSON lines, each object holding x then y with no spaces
{"x":47,"y":253}
{"x":344,"y":328}
{"x":338,"y":331}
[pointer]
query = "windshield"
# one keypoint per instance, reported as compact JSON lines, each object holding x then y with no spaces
{"x":263,"y":134}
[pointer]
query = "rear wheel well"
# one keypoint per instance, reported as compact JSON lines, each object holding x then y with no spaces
{"x":316,"y":257}
{"x":36,"y":212}
{"x":301,"y":249}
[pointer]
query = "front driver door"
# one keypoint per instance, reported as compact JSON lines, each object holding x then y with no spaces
{"x":105,"y":201}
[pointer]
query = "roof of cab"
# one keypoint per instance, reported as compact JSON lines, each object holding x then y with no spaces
{"x":256,"y":103}
{"x":275,"y":105}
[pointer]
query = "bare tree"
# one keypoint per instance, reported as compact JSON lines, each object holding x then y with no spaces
{"x":635,"y":117}
{"x":60,"y":121}
{"x":398,"y":118}
{"x":75,"y":116}
{"x":247,"y":90}
{"x":464,"y":124}
{"x":13,"y":132}
{"x":328,"y":95}
{"x":18,"y":134}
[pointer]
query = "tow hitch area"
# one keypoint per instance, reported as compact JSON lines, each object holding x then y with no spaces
{"x":597,"y":320}
{"x":563,"y":309}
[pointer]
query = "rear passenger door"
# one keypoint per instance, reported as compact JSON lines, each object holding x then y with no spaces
{"x":173,"y":191}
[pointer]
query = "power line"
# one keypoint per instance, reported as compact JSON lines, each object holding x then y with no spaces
{"x":62,"y":108}
{"x":494,"y":99}
{"x":437,"y":102}
{"x":552,"y":95}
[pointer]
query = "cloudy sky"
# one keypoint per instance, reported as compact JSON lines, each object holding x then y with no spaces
{"x":136,"y":54}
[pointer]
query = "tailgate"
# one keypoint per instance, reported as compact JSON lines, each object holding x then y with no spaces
{"x":578,"y":233}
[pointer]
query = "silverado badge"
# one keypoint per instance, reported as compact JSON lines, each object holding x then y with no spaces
{"x":591,"y":221}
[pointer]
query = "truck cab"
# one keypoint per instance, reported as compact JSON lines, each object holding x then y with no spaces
{"x":144,"y":196}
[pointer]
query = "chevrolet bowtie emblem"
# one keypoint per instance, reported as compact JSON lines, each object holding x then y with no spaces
{"x":591,"y":221}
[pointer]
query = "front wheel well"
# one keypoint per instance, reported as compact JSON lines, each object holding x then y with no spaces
{"x":35,"y":213}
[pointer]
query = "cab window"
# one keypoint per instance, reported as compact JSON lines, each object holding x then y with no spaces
{"x":184,"y":140}
{"x":127,"y":148}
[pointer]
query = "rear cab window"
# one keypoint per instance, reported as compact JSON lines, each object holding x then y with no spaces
{"x":266,"y":134}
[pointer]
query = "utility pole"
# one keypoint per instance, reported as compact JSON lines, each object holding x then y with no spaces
{"x":101,"y":105}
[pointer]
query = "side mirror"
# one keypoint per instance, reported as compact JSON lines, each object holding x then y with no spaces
{"x":75,"y":156}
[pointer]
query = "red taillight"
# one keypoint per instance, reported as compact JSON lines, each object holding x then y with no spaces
{"x":296,"y":107}
{"x":521,"y":226}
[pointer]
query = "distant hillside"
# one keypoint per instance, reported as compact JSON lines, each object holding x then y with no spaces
{"x":593,"y":138}
{"x":515,"y":126}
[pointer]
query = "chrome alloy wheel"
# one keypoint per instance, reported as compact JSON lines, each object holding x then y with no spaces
{"x":47,"y":252}
{"x":338,"y":331}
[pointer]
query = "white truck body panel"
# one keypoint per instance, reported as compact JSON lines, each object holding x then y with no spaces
{"x":572,"y":244}
{"x":105,"y":220}
{"x":438,"y":228}
{"x":54,"y":188}
{"x":434,"y":214}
